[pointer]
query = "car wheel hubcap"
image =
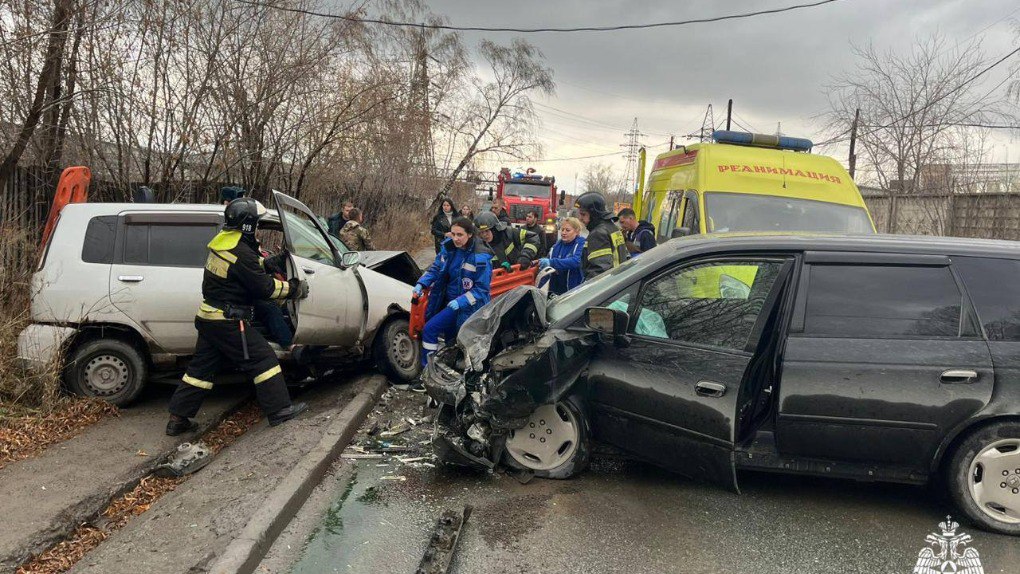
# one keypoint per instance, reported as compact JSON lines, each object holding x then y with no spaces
{"x":403,"y":351}
{"x":106,"y":375}
{"x":548,"y":440}
{"x":995,"y":480}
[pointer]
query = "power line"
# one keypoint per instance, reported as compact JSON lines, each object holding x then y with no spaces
{"x":614,"y":153}
{"x":842,"y":137}
{"x":451,"y":27}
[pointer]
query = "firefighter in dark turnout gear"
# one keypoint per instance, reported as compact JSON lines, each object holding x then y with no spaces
{"x":605,"y":247}
{"x":234,"y":278}
{"x":511,"y":246}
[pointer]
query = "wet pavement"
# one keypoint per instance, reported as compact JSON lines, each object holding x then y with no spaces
{"x":619,"y":516}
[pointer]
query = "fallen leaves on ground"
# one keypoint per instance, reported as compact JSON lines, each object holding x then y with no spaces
{"x":121,"y":510}
{"x":27,"y":435}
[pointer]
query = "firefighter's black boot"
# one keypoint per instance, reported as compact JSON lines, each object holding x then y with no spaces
{"x":179,"y":425}
{"x":285,"y":414}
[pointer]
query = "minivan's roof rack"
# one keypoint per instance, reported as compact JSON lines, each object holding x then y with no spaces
{"x":762,"y":140}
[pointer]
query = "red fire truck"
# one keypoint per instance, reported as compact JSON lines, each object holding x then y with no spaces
{"x":525,"y":192}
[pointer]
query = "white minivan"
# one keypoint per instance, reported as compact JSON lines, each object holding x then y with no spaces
{"x":118,"y":285}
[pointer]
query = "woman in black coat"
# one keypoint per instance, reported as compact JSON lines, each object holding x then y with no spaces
{"x":442,"y":221}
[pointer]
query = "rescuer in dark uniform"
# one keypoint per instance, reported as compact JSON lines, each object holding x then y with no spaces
{"x":234,"y":279}
{"x":605,"y":247}
{"x":511,"y":246}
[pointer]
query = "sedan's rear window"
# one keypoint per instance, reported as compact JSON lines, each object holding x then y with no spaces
{"x":992,"y":284}
{"x":882,"y":301}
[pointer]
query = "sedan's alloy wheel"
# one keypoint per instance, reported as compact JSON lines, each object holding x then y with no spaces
{"x":995,"y":480}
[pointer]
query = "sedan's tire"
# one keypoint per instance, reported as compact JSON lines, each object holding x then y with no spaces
{"x":983,"y":477}
{"x":554,"y":443}
{"x":396,"y":354}
{"x":108,"y":369}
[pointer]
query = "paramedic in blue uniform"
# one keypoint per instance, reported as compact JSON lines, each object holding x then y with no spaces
{"x":565,"y":258}
{"x":459,"y":278}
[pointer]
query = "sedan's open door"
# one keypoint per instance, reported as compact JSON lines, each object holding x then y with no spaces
{"x":335,"y":310}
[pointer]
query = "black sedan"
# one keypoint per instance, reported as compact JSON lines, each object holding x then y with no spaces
{"x":880,"y":358}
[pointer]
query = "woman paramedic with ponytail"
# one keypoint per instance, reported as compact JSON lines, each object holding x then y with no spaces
{"x":459,"y":279}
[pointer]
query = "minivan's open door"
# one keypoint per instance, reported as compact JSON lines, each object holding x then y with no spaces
{"x":335,"y":310}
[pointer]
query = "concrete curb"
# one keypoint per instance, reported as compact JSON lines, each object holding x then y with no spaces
{"x":243,"y":554}
{"x":87,"y":509}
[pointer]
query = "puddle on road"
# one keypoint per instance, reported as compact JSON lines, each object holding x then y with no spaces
{"x":382,"y":525}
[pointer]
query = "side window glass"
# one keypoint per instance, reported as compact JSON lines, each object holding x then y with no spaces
{"x":180,"y":245}
{"x":714,"y":304}
{"x":874,"y":301}
{"x":306,"y":240}
{"x":665,"y":229}
{"x":691,"y":214}
{"x":136,"y":244}
{"x":100,"y":237}
{"x":998,"y":308}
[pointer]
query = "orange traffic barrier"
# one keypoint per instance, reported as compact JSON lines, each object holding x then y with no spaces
{"x":502,"y":281}
{"x":73,"y":187}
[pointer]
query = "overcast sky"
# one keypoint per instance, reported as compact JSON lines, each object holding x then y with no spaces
{"x":775,"y":67}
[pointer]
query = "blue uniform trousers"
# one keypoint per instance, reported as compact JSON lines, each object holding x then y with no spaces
{"x":443,"y":324}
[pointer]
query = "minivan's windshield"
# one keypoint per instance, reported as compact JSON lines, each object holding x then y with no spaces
{"x":750,"y":212}
{"x":526,"y":190}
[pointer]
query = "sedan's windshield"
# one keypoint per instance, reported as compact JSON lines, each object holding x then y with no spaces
{"x":525,"y":190}
{"x":598,"y":289}
{"x":748,"y":212}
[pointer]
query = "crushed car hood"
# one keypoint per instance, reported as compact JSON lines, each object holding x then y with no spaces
{"x":500,"y":324}
{"x":396,"y":264}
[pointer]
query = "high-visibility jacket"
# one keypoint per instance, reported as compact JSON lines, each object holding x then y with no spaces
{"x":235,"y":274}
{"x":514,"y":246}
{"x":604,"y":248}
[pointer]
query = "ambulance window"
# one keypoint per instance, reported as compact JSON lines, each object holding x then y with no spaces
{"x":691,"y":214}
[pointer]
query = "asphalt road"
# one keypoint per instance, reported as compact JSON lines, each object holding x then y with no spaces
{"x":619,"y":516}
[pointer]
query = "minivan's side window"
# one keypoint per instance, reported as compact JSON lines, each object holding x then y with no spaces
{"x":882,"y":301}
{"x":997,"y":306}
{"x":715,"y":304}
{"x":167,"y":244}
{"x":100,"y":239}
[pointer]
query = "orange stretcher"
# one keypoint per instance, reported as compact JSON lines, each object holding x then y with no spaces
{"x":502,"y":281}
{"x":73,"y":187}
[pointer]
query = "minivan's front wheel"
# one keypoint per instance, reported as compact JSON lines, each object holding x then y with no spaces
{"x":396,"y":353}
{"x":554,"y":443}
{"x":108,"y":369}
{"x":983,"y":477}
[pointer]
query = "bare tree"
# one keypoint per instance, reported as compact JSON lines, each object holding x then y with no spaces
{"x":600,"y":177}
{"x":500,"y":117}
{"x":912,"y":106}
{"x":46,"y":87}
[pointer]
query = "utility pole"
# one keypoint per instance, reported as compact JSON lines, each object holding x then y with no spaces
{"x":707,"y":125}
{"x":631,"y":155}
{"x":420,"y":107}
{"x":729,"y":113}
{"x":852,"y":160}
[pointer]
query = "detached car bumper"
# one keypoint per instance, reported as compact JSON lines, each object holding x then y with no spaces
{"x":39,"y":346}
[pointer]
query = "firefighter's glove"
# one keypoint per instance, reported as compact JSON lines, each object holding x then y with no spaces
{"x":543,"y":263}
{"x":505,"y":265}
{"x":418,"y":290}
{"x":298,"y":288}
{"x":453,"y":305}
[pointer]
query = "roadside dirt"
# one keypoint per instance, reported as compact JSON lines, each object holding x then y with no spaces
{"x":27,"y":435}
{"x":63,"y":556}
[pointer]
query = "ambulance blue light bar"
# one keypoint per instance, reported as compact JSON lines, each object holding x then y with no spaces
{"x":762,"y":140}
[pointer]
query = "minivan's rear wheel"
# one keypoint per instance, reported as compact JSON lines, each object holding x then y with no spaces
{"x":554,"y":443}
{"x":108,"y":369}
{"x":396,"y":353}
{"x":983,"y":477}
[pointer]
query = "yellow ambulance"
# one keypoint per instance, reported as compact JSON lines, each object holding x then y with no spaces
{"x":749,"y":182}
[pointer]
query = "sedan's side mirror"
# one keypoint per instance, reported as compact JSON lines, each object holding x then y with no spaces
{"x":606,"y":321}
{"x":681,"y":232}
{"x":350,"y":259}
